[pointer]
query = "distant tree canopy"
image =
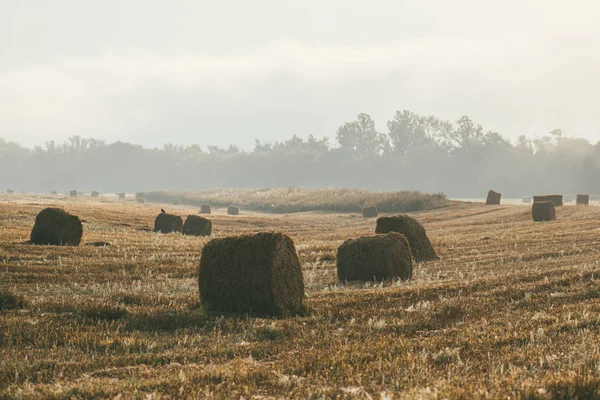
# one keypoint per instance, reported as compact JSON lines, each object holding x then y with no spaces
{"x":416,"y":152}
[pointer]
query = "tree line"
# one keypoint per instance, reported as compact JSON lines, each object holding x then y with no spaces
{"x":416,"y":152}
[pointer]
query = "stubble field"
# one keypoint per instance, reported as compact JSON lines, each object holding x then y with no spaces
{"x":510,"y":310}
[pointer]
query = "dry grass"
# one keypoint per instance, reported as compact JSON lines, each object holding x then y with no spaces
{"x":290,"y":200}
{"x":510,"y":309}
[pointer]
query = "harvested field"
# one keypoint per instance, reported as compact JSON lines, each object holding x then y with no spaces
{"x":511,"y":308}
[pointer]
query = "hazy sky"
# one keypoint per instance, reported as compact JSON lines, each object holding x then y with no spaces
{"x":156,"y":71}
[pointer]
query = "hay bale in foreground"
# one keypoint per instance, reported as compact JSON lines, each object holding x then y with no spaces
{"x":57,"y":227}
{"x":166,"y":223}
{"x":370,"y":212}
{"x":493,"y":198}
{"x":527,"y":199}
{"x":197,"y":226}
{"x":121,"y":195}
{"x":543,"y":211}
{"x":205,"y":209}
{"x":10,"y":191}
{"x":583,"y":199}
{"x":95,"y":193}
{"x":420,"y":246}
{"x":233,"y":210}
{"x":141,"y":200}
{"x":375,"y":258}
{"x":73,"y":193}
{"x":258,"y":273}
{"x":556,"y":199}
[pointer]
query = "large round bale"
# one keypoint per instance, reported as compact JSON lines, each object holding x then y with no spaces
{"x":258,"y":273}
{"x":73,"y":193}
{"x":95,"y":193}
{"x":420,"y":246}
{"x":556,"y":199}
{"x":197,"y":226}
{"x":375,"y":258}
{"x":233,"y":210}
{"x":543,"y":211}
{"x":57,"y":227}
{"x":527,"y":199}
{"x":121,"y":195}
{"x":166,"y":223}
{"x":370,"y":212}
{"x":205,"y":209}
{"x":493,"y":198}
{"x":583,"y":199}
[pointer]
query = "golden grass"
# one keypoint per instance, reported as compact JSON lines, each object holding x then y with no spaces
{"x":510,"y":310}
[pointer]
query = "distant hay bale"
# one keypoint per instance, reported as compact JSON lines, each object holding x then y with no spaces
{"x":375,"y":258}
{"x":175,"y":201}
{"x":10,"y":191}
{"x":493,"y":198}
{"x":370,"y":212}
{"x":197,"y":226}
{"x":543,"y":211}
{"x":205,"y":209}
{"x":556,"y":199}
{"x":73,"y":193}
{"x":141,"y":200}
{"x":121,"y":195}
{"x":527,"y":199}
{"x":420,"y":246}
{"x":233,"y":210}
{"x":258,"y":273}
{"x":166,"y":223}
{"x":54,"y":192}
{"x":583,"y":199}
{"x":95,"y":193}
{"x":57,"y":227}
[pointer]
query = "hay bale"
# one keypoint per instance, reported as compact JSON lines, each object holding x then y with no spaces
{"x":205,"y":209}
{"x":420,"y":246}
{"x":527,"y":199}
{"x":141,"y":200}
{"x":258,"y":273}
{"x":556,"y":199}
{"x":567,"y":198}
{"x":493,"y":198}
{"x":374,"y":258}
{"x":197,"y":226}
{"x":73,"y":193}
{"x":543,"y":211}
{"x":95,"y":193}
{"x":233,"y":210}
{"x":370,"y":212}
{"x":10,"y":191}
{"x":54,"y":192}
{"x":121,"y":195}
{"x":583,"y":199}
{"x":175,"y":201}
{"x":166,"y":223}
{"x":57,"y":227}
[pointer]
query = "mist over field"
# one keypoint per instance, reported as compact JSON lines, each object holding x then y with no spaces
{"x":185,"y":95}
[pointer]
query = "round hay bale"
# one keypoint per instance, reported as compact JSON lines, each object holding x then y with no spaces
{"x":175,"y":201}
{"x":527,"y":199}
{"x":10,"y":191}
{"x":258,"y":273}
{"x":583,"y":199}
{"x":95,"y":193}
{"x":205,"y":209}
{"x":197,"y":226}
{"x":57,"y":227}
{"x":233,"y":210}
{"x":370,"y":212}
{"x":121,"y":195}
{"x":556,"y":199}
{"x":73,"y":193}
{"x":167,"y":223}
{"x":543,"y":211}
{"x":54,"y":192}
{"x":420,"y":246}
{"x":374,"y":258}
{"x":493,"y":198}
{"x":141,"y":200}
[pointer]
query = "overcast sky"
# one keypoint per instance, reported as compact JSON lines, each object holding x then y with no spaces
{"x":208,"y":72}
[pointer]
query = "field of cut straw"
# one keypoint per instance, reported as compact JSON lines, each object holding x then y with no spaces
{"x":511,"y":310}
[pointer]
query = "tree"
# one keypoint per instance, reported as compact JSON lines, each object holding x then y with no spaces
{"x":406,"y":130}
{"x":361,"y":136}
{"x":466,"y":134}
